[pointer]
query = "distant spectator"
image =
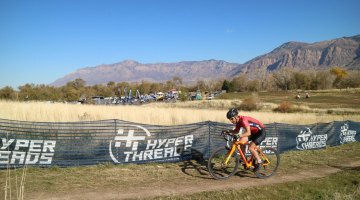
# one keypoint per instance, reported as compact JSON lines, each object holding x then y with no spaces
{"x":307,"y":95}
{"x":298,"y":96}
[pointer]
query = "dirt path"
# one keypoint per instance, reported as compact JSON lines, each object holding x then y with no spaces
{"x":196,"y":179}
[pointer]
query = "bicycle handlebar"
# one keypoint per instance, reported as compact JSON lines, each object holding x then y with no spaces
{"x":229,"y":136}
{"x":225,"y":132}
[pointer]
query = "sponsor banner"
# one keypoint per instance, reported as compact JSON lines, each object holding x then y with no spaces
{"x":346,"y":134}
{"x":120,"y":142}
{"x":136,"y":144}
{"x":307,"y":140}
{"x":26,"y":152}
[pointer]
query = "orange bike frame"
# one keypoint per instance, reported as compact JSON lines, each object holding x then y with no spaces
{"x":237,"y":145}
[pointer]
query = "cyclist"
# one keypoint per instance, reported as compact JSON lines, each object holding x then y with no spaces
{"x":254,"y":131}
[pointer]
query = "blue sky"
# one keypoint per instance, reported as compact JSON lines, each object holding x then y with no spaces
{"x":42,"y":40}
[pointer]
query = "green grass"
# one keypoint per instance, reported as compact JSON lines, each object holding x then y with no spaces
{"x":56,"y":180}
{"x":342,"y":185}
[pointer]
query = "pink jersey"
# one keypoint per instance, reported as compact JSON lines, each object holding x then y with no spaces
{"x":244,"y":121}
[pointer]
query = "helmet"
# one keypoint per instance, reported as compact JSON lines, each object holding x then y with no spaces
{"x":233,"y":112}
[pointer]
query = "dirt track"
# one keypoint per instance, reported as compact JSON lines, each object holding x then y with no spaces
{"x":196,"y":179}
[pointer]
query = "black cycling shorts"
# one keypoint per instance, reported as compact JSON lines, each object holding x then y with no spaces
{"x":259,"y":137}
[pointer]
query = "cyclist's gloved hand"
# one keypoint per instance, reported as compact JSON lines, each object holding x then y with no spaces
{"x":237,"y":136}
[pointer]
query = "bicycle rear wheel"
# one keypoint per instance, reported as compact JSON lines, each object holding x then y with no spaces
{"x":216,"y":166}
{"x":270,"y":164}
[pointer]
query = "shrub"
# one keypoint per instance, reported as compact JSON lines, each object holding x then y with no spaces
{"x":183,"y":96}
{"x":249,"y":104}
{"x":287,"y":107}
{"x":284,"y":107}
{"x":330,"y":112}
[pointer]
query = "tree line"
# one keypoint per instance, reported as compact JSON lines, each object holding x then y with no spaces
{"x":293,"y":79}
{"x":283,"y":79}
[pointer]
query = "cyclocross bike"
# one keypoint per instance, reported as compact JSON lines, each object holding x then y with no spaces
{"x":224,"y":161}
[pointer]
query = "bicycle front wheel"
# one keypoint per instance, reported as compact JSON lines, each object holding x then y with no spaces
{"x":271,"y":162}
{"x":217,"y":166}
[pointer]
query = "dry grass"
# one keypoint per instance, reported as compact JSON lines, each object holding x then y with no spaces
{"x":14,"y":184}
{"x":159,"y":113}
{"x":62,"y":183}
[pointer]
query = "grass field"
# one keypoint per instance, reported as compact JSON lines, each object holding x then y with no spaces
{"x":319,"y":99}
{"x":342,"y":185}
{"x":54,"y":182}
{"x":322,"y":106}
{"x":165,"y":113}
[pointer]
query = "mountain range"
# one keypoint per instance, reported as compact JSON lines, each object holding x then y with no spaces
{"x":342,"y":52}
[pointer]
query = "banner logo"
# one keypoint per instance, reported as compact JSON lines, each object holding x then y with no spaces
{"x":346,"y":135}
{"x":131,"y":144}
{"x":307,"y":140}
{"x":26,"y":152}
{"x":267,"y":142}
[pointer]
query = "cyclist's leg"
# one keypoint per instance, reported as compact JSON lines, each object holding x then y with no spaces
{"x":256,"y":140}
{"x":252,"y":148}
{"x":243,"y":140}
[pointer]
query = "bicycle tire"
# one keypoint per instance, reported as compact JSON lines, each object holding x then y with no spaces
{"x":215,"y":164}
{"x":267,"y":170}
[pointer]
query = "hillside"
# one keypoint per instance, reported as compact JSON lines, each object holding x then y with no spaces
{"x":343,"y":52}
{"x":132,"y":71}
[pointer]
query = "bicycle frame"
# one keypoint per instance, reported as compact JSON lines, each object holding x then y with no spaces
{"x":248,"y":163}
{"x":223,"y":163}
